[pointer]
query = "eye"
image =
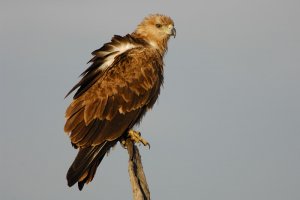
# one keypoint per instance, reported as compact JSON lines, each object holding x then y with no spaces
{"x":158,"y":25}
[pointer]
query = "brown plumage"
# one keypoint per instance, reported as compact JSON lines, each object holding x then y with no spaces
{"x":121,"y":84}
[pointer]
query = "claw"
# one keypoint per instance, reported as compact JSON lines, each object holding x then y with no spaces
{"x":136,"y":137}
{"x":123,"y":143}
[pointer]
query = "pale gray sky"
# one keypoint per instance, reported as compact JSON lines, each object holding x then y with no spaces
{"x":227,"y":124}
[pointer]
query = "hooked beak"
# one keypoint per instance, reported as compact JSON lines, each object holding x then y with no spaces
{"x":173,"y":32}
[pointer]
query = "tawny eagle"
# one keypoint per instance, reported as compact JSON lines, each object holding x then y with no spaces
{"x":121,"y":84}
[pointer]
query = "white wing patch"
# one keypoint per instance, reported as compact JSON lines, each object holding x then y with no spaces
{"x":117,"y":50}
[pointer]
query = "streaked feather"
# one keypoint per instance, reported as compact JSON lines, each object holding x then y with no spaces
{"x":122,"y":82}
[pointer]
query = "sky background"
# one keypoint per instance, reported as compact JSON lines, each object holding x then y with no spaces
{"x":227,"y":123}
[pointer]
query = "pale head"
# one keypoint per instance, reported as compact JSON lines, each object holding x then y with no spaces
{"x":156,"y":29}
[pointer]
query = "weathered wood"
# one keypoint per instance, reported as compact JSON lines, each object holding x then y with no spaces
{"x":137,"y":176}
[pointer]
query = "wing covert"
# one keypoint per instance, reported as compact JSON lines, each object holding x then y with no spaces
{"x":115,"y":100}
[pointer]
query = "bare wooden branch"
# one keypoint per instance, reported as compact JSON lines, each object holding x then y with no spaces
{"x":137,"y":177}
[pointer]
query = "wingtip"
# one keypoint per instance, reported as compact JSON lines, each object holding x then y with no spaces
{"x":70,"y":183}
{"x":70,"y":178}
{"x":80,"y":185}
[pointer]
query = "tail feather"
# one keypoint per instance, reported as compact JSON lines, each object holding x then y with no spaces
{"x":83,"y":168}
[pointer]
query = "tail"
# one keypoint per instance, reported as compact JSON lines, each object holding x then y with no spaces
{"x":86,"y":162}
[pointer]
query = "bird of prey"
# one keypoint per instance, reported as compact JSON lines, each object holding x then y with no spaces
{"x":115,"y":91}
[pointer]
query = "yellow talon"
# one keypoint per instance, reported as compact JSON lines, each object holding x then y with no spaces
{"x":137,"y":138}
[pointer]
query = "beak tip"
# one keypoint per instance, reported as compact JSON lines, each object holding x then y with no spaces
{"x":174,"y":32}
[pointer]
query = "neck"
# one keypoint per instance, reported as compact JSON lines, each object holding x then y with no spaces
{"x":159,"y":44}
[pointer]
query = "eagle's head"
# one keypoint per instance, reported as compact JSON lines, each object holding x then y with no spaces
{"x":156,"y":29}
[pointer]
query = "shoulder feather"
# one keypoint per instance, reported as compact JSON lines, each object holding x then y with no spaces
{"x":103,"y":59}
